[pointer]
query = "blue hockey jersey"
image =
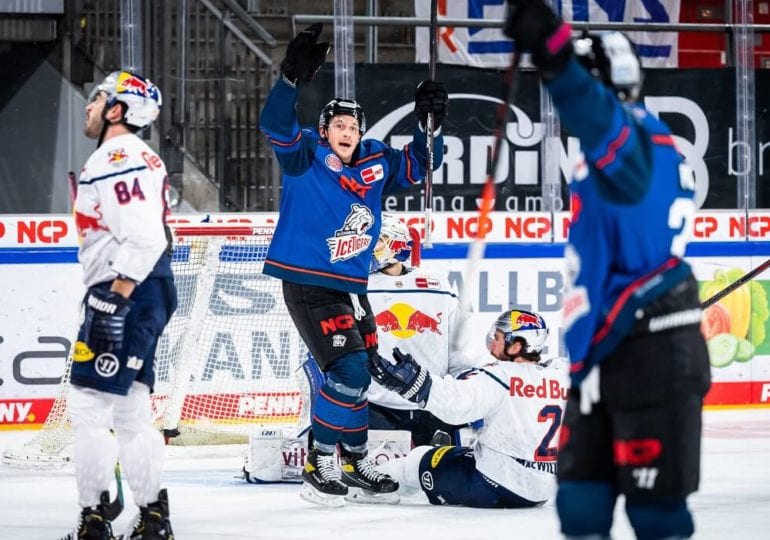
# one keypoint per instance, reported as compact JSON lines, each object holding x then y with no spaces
{"x":632,"y":205}
{"x":329,"y":217}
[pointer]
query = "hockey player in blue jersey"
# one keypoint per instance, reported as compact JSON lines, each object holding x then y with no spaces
{"x":631,"y":312}
{"x":333,"y":182}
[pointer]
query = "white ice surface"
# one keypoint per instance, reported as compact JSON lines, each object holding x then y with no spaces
{"x":209,"y":501}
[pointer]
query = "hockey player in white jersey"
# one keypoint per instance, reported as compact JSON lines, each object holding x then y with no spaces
{"x":120,"y":212}
{"x":519,"y":396}
{"x":418,"y":312}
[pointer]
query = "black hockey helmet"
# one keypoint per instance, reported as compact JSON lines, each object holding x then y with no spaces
{"x":612,"y":58}
{"x":343,"y":106}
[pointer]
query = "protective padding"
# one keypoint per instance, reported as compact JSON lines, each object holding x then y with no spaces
{"x":585,"y":508}
{"x":95,"y":448}
{"x":406,"y":470}
{"x":141,"y":446}
{"x":669,"y":519}
{"x":350,"y":370}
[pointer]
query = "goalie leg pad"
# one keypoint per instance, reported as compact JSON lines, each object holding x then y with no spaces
{"x":275,"y":458}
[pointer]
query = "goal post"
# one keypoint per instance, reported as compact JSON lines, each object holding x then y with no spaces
{"x":229,"y":359}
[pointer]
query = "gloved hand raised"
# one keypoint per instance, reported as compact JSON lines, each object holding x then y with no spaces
{"x":405,"y":376}
{"x":304,"y":55}
{"x":105,"y":320}
{"x":431,"y":97}
{"x":535,"y":26}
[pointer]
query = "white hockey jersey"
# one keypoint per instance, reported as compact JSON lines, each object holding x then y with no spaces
{"x":120,"y":211}
{"x":522,"y":405}
{"x":419,"y":313}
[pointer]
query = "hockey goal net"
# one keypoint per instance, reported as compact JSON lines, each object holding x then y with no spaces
{"x":227,"y":362}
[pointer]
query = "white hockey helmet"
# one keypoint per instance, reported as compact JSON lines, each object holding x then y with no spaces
{"x":527,"y":326}
{"x":394,"y":244}
{"x":141,"y":97}
{"x":611,"y":57}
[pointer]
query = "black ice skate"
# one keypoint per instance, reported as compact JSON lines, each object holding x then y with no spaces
{"x":368,"y":485}
{"x":321,"y":480}
{"x":152,"y":522}
{"x":94,"y":522}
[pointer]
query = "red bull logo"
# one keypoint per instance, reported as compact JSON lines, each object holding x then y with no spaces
{"x":132,"y":85}
{"x":404,"y":321}
{"x":521,"y":320}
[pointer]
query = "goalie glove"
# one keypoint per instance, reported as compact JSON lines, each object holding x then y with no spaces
{"x":105,"y":320}
{"x":304,"y":55}
{"x":535,"y":26}
{"x":405,"y":377}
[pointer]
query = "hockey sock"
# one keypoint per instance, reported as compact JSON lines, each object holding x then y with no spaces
{"x":585,"y":508}
{"x":664,"y":519}
{"x":333,"y":408}
{"x":356,"y":430}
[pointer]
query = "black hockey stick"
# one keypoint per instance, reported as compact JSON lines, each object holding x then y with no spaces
{"x":736,"y":284}
{"x":429,"y":127}
{"x":476,"y":249}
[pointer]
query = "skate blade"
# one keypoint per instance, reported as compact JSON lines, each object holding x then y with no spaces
{"x":312,"y":495}
{"x":362,"y":496}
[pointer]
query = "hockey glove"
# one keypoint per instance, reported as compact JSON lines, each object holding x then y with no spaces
{"x":405,"y":376}
{"x":534,"y":26}
{"x":105,"y":320}
{"x":431,"y":97}
{"x":304,"y":55}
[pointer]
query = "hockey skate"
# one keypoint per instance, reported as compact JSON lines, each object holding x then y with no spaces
{"x":367,"y":484}
{"x":321,"y":480}
{"x":94,"y":522}
{"x":152,"y":522}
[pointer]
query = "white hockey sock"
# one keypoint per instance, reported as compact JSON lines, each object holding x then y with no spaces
{"x":95,"y":448}
{"x":141,"y":445}
{"x":406,"y":470}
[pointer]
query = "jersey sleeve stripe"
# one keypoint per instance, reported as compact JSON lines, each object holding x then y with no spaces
{"x":665,"y":140}
{"x":283,"y":144}
{"x":112,"y":175}
{"x":369,"y":158}
{"x":494,"y":378}
{"x":613,"y":148}
{"x":408,"y":154}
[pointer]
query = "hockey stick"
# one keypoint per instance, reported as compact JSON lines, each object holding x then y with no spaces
{"x":429,"y":127}
{"x":736,"y":284}
{"x":476,"y":249}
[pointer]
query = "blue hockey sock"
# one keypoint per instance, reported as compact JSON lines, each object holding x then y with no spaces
{"x":663,"y":519}
{"x":356,"y":432}
{"x":585,"y":508}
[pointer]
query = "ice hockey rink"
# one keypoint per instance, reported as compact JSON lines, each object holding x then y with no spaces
{"x":209,"y":500}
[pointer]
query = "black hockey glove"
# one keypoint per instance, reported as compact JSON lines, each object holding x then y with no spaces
{"x":405,"y":376}
{"x":431,"y":97}
{"x":304,"y":55}
{"x":105,"y":320}
{"x":534,"y":26}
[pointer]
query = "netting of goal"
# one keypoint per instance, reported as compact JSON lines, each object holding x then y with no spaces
{"x":228,"y":360}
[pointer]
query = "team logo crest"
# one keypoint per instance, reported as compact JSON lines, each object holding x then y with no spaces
{"x":333,"y":162}
{"x":338,"y":340}
{"x":373,"y":173}
{"x":116,"y":158}
{"x":351,"y":239}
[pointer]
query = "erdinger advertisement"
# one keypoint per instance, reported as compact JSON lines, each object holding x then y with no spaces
{"x":521,"y":269}
{"x":692,"y":102}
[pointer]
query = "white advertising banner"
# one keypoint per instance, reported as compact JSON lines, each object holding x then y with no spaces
{"x":488,"y":47}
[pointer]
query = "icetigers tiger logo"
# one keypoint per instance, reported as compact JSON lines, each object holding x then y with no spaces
{"x":351,"y":239}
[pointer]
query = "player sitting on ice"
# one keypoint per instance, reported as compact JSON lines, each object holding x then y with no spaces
{"x":521,"y":398}
{"x":419,"y":313}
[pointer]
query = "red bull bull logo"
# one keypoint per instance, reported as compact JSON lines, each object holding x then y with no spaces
{"x":131,"y":84}
{"x":404,"y":321}
{"x":525,"y":321}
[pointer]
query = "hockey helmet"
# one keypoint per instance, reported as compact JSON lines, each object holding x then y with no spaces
{"x":394,"y":244}
{"x":343,"y":106}
{"x":612,"y":58}
{"x":523,"y":325}
{"x":140,"y":96}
